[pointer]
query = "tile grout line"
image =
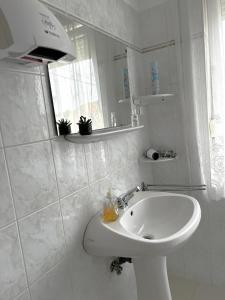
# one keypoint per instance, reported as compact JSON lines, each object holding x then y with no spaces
{"x":57,"y":187}
{"x":50,"y":204}
{"x":65,"y":246}
{"x":14,"y":70}
{"x":37,"y":211}
{"x":62,"y":220}
{"x":27,"y":143}
{"x":56,"y":177}
{"x":16,"y":217}
{"x":45,"y":274}
{"x":88,"y":187}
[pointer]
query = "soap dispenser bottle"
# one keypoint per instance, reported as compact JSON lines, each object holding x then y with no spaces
{"x":110,"y":209}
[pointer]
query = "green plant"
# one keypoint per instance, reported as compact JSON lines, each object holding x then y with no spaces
{"x":85,"y":126}
{"x":64,"y":126}
{"x":84,"y":121}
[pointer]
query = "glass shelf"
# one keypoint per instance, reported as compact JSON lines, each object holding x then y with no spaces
{"x":126,"y":100}
{"x":100,"y":134}
{"x":152,"y":99}
{"x":160,"y":160}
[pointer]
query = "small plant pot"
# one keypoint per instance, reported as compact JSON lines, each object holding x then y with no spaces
{"x":64,"y":130}
{"x":85,"y":129}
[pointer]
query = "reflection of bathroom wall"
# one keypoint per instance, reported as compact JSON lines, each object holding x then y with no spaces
{"x":163,"y":121}
{"x":111,"y":78}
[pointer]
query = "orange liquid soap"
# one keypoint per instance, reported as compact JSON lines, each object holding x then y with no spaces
{"x":110,"y":213}
{"x":110,"y":210}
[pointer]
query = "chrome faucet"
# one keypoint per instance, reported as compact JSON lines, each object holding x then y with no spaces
{"x":122,"y":200}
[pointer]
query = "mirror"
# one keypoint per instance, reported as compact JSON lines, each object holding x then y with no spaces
{"x":96,"y":84}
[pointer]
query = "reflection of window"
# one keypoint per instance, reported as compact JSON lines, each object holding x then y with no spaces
{"x":75,"y":86}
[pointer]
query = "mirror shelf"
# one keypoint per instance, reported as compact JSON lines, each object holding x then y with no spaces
{"x":101,"y":134}
{"x":126,"y":100}
{"x":152,"y":99}
{"x":160,"y":160}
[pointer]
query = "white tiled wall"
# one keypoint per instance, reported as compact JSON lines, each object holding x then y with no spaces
{"x":123,"y":22}
{"x":49,"y":190}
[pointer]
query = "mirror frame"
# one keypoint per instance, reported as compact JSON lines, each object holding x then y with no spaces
{"x":93,"y":27}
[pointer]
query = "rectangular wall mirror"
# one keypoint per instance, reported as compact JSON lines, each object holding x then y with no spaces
{"x":96,"y":84}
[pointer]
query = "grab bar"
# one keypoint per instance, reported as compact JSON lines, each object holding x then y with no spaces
{"x":173,"y":187}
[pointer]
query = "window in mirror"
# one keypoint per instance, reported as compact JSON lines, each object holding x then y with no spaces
{"x":93,"y":83}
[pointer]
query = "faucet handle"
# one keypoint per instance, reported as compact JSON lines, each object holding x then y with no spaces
{"x":144,"y":187}
{"x":121,"y":203}
{"x":138,"y":188}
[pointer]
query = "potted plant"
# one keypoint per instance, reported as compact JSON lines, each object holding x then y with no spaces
{"x":85,"y":126}
{"x":64,"y":126}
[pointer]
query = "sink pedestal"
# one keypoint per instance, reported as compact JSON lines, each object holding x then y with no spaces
{"x":151,"y":278}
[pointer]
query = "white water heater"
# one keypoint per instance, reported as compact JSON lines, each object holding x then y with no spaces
{"x":31,"y":34}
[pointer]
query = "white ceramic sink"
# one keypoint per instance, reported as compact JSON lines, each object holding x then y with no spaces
{"x":153,"y":225}
{"x":169,"y":218}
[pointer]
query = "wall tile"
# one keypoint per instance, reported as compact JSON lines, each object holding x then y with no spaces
{"x":217,"y":239}
{"x":98,"y":191}
{"x":118,"y":150}
{"x":24,"y":296}
{"x":206,"y":292}
{"x":123,"y":23}
{"x":126,"y":178}
{"x":196,"y":14}
{"x":97,"y":160}
{"x":117,"y":283}
{"x":32,"y":176}
{"x":6,"y":209}
{"x":70,"y":166}
{"x":198,"y":265}
{"x":22,"y":110}
{"x":1,"y":144}
{"x":12,"y":276}
{"x":55,"y":285}
{"x":182,"y":288}
{"x":6,"y":66}
{"x":57,"y":3}
{"x":175,"y":263}
{"x":135,"y":146}
{"x":77,"y":210}
{"x":42,"y":241}
{"x":154,"y":26}
{"x":80,"y":8}
{"x":218,"y":269}
{"x":217,"y":211}
{"x":92,"y":270}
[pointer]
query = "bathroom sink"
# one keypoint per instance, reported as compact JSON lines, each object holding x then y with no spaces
{"x":153,"y":225}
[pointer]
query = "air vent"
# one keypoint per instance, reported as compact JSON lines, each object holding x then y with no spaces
{"x":47,"y":53}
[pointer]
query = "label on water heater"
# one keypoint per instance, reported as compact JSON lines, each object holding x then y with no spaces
{"x":49,"y":26}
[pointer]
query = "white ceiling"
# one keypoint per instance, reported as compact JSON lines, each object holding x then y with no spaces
{"x":141,"y":5}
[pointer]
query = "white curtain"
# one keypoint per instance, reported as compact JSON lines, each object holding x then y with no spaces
{"x":215,"y":64}
{"x":194,"y":99}
{"x":204,"y":96}
{"x":75,"y":86}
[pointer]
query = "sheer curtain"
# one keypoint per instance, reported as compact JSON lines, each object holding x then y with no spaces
{"x":203,"y":102}
{"x":215,"y":66}
{"x":75,"y":86}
